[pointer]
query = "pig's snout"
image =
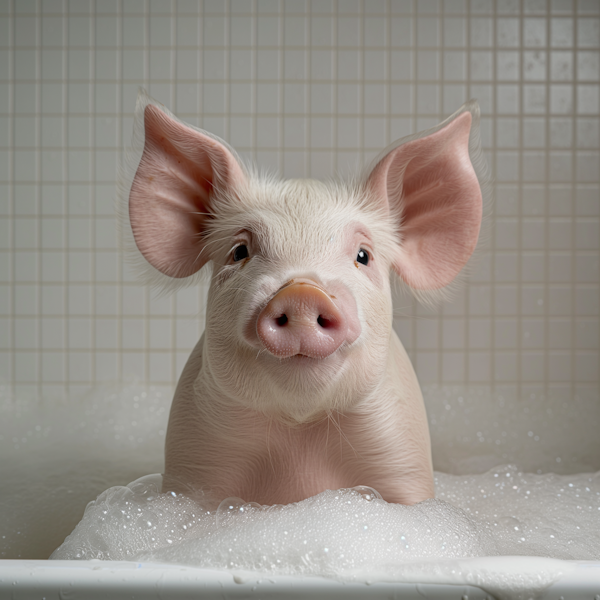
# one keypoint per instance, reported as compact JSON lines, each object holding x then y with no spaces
{"x":301,"y":319}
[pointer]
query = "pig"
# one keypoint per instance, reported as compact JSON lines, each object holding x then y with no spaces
{"x":299,"y":383}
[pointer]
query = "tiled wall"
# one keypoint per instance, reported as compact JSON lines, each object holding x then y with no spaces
{"x":310,"y":88}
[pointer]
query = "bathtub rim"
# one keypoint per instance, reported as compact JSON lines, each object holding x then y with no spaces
{"x":123,"y":579}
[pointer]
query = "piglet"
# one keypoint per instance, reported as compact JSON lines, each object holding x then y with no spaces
{"x":299,"y":383}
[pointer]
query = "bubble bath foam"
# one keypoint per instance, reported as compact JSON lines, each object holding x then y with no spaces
{"x":516,"y":513}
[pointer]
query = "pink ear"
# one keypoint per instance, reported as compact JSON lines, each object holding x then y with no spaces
{"x":170,"y":196}
{"x":431,"y":183}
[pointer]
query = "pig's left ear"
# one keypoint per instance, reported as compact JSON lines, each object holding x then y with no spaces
{"x":430,"y":185}
{"x":170,"y":200}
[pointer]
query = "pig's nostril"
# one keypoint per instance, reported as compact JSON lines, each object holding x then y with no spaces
{"x":282,"y":320}
{"x":323,"y":322}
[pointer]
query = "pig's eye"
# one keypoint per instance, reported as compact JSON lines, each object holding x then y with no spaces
{"x":362,"y":257}
{"x":240,"y":253}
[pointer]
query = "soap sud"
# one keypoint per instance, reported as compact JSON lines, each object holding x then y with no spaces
{"x":331,"y":533}
{"x":60,"y":455}
{"x":502,"y":512}
{"x":354,"y":535}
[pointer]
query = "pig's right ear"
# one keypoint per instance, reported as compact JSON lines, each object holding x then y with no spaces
{"x":429,"y":183}
{"x":170,"y":197}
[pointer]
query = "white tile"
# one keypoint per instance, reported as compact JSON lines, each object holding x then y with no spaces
{"x":587,"y":300}
{"x":480,"y":333}
{"x":5,"y":336}
{"x":133,"y":364}
{"x":560,"y":300}
{"x":295,"y":28}
{"x":160,"y":333}
{"x":374,"y":133}
{"x":507,"y":98}
{"x":25,"y":332}
{"x":588,"y":66}
{"x":160,"y":64}
{"x":160,"y":367}
{"x":559,"y":335}
{"x":586,"y":366}
{"x":53,"y":334}
{"x":505,"y":366}
{"x":133,"y":334}
{"x":321,"y":31}
{"x":532,"y":366}
{"x":348,"y":132}
{"x":402,"y":31}
{"x":26,"y":300}
{"x":427,"y":334}
{"x":534,"y":32}
{"x":453,"y":334}
{"x":106,"y":366}
{"x":453,"y":367}
{"x":348,"y":65}
{"x":587,"y":332}
{"x":25,"y":95}
{"x":588,"y":32}
{"x":294,"y":132}
{"x":428,"y":29}
{"x":134,"y":31}
{"x":105,"y":298}
{"x":160,"y":30}
{"x":426,"y":366}
{"x":25,"y":266}
{"x":26,"y":367}
{"x":321,"y":164}
{"x":25,"y":131}
{"x":80,"y":366}
{"x":106,"y":265}
{"x":53,"y":299}
{"x":428,"y":99}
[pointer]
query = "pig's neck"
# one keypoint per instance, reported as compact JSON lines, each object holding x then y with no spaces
{"x":227,"y":450}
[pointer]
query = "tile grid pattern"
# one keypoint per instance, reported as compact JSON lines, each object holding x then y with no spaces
{"x":309,"y":89}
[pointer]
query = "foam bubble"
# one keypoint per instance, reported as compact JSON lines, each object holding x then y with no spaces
{"x":331,"y":533}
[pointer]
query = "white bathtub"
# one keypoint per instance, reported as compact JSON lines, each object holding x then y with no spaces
{"x":46,"y":452}
{"x":95,"y":580}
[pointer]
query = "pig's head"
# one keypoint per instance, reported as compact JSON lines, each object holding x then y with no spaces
{"x":299,"y":312}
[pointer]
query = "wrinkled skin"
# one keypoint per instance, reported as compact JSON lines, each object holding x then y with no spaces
{"x":299,"y":383}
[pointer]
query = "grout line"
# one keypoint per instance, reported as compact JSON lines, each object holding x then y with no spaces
{"x":201,"y":318}
{"x":38,"y":192}
{"x":414,"y":305}
{"x":174,"y":100}
{"x":440,"y":314}
{"x":361,"y":79}
{"x":93,"y":198}
{"x":493,"y":192}
{"x":254,"y":80}
{"x":547,"y":165}
{"x":388,"y":73}
{"x":520,"y":195}
{"x":147,"y":82}
{"x":282,"y":154}
{"x":12,"y":202}
{"x":308,"y":94}
{"x":120,"y":160}
{"x":66,"y":219}
{"x":573,"y":279}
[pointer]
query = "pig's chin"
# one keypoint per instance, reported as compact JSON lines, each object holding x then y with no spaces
{"x":301,"y":388}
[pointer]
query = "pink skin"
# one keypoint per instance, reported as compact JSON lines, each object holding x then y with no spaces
{"x":273,"y":409}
